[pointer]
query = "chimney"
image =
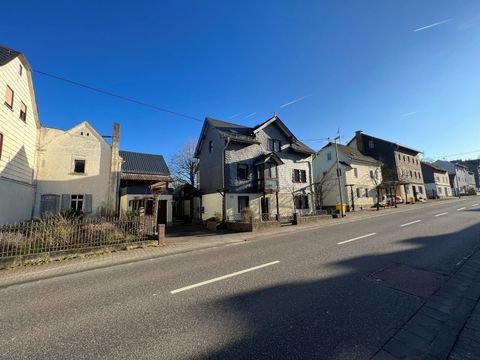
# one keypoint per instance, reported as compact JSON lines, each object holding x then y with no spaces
{"x":359,"y":141}
{"x":114,"y":182}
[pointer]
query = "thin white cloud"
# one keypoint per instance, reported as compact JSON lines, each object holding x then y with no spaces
{"x":249,"y":115}
{"x":235,"y":115}
{"x":411,"y":113}
{"x":294,"y":101}
{"x":432,"y":25}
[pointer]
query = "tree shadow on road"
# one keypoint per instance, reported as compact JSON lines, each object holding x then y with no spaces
{"x":349,"y":316}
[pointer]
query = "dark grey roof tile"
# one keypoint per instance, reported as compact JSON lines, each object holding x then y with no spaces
{"x":140,"y":163}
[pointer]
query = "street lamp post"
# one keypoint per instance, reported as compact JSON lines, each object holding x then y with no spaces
{"x":339,"y":176}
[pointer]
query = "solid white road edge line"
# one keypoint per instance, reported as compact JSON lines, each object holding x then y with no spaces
{"x":410,"y":223}
{"x":462,"y":208}
{"x":357,"y":238}
{"x":445,"y":213}
{"x":223,"y":277}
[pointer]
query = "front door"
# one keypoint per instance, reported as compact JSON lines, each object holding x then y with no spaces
{"x":414,"y":189}
{"x":162,"y":212}
{"x":265,"y":212}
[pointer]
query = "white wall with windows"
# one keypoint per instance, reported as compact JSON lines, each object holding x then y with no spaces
{"x":19,"y":126}
{"x":73,"y":171}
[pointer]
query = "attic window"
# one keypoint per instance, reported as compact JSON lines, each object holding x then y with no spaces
{"x":371,"y":144}
{"x":210,"y":146}
{"x":79,"y":166}
{"x":273,"y":145}
{"x":20,"y":69}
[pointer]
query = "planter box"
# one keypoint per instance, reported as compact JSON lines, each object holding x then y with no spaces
{"x":239,"y":226}
{"x":212,"y":225}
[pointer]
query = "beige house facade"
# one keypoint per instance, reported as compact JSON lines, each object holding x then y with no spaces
{"x":360,"y":177}
{"x":19,"y":130}
{"x":77,"y":170}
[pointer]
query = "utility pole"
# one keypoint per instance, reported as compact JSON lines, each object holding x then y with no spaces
{"x":339,"y":177}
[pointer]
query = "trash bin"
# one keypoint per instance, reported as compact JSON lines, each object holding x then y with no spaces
{"x":412,"y":200}
{"x":341,"y":207}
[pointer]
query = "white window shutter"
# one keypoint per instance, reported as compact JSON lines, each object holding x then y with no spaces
{"x":87,"y":208}
{"x":66,"y":202}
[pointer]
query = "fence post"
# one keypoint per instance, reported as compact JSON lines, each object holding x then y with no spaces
{"x":161,"y":234}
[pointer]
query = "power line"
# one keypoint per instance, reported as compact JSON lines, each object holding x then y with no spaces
{"x":452,"y":155}
{"x":121,"y":97}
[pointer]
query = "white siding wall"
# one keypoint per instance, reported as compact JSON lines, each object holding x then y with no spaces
{"x":17,"y":163}
{"x":57,"y":152}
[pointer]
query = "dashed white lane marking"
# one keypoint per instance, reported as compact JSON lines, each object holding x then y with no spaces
{"x":445,"y":213}
{"x":462,"y":208}
{"x":223,"y":277}
{"x":357,"y":238}
{"x":410,"y":223}
{"x":474,"y":205}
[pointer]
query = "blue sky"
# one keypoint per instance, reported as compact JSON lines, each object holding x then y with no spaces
{"x":353,"y":65}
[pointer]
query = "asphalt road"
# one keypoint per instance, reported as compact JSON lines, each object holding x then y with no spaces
{"x":336,"y":292}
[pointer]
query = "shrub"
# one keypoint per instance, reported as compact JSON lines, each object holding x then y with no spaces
{"x":472,"y":191}
{"x":246,"y":214}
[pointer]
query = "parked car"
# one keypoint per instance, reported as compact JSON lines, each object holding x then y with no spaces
{"x":390,"y":200}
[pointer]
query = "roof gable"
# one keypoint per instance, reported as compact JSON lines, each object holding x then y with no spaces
{"x":91,"y":130}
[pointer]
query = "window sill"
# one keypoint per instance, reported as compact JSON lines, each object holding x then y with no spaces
{"x":8,"y":106}
{"x":78,"y":174}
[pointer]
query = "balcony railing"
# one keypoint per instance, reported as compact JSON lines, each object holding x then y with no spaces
{"x":267,"y":185}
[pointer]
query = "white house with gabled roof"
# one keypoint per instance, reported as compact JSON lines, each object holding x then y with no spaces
{"x":19,"y":129}
{"x":77,"y":170}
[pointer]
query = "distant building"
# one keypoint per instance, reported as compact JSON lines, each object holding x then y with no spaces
{"x":401,"y":171}
{"x":437,"y":182}
{"x":461,"y":179}
{"x":19,"y":128}
{"x":474,"y":167}
{"x":76,"y":170}
{"x":144,"y":186}
{"x":360,"y":177}
{"x":265,"y":168}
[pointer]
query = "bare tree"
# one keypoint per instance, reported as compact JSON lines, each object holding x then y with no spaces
{"x":183,"y":164}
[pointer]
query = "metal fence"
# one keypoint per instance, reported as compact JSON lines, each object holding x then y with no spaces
{"x":59,"y":233}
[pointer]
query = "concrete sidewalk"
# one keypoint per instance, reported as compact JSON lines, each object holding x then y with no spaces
{"x":175,"y":245}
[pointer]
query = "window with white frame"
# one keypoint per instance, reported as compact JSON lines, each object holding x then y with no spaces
{"x":329,"y":156}
{"x":355,"y":172}
{"x":76,"y":202}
